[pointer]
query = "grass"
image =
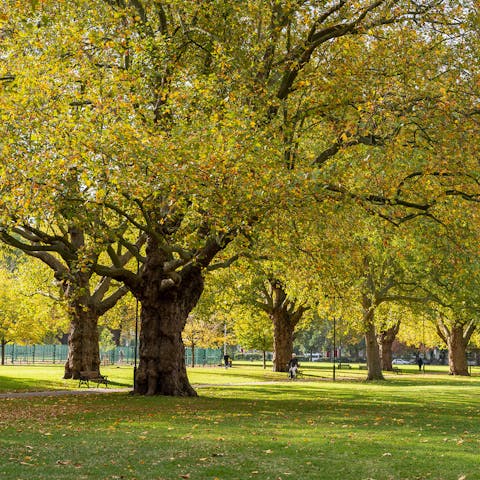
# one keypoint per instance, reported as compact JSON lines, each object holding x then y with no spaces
{"x":412,"y":427}
{"x":39,"y":377}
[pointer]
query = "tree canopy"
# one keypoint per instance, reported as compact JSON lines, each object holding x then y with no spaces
{"x":172,"y":131}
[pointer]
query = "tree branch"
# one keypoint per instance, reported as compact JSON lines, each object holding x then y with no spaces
{"x":224,"y":264}
{"x":37,"y":251}
{"x":112,"y":300}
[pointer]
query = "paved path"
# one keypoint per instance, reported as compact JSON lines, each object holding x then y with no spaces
{"x":54,"y":393}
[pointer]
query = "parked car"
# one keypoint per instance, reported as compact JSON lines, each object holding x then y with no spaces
{"x":400,"y":361}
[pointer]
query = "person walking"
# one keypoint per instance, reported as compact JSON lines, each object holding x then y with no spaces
{"x":226,"y":360}
{"x":419,"y":363}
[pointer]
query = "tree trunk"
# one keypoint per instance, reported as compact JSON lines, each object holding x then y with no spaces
{"x":116,"y":335}
{"x":457,"y":338}
{"x":371,"y":345}
{"x":282,"y":339}
{"x":285,"y":315}
{"x":457,"y":352}
{"x":385,"y":340}
{"x":83,"y":349}
{"x":264,"y":359}
{"x":3,"y":350}
{"x":162,"y":369}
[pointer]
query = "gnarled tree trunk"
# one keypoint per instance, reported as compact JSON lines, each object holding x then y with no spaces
{"x":83,"y":349}
{"x":85,"y":309}
{"x":165,"y":308}
{"x":285,"y":316}
{"x":456,"y":337}
{"x":385,"y":340}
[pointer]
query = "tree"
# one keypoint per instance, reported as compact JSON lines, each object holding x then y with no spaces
{"x":203,"y":333}
{"x":448,"y":265}
{"x":26,"y":315}
{"x":9,"y":311}
{"x":256,"y":286}
{"x":255,"y":332}
{"x":181,"y":122}
{"x":387,"y":332}
{"x":312,"y":339}
{"x":88,"y":296}
{"x":456,"y":337}
{"x":285,"y":315}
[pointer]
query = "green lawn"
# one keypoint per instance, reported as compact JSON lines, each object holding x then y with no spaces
{"x":414,"y":426}
{"x":39,"y":377}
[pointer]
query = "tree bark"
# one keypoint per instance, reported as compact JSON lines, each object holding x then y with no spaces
{"x":4,"y":342}
{"x":371,"y":345}
{"x":83,"y":349}
{"x":162,"y":369}
{"x":385,"y":340}
{"x":285,"y":316}
{"x":116,"y":335}
{"x":456,"y":337}
{"x":457,"y":352}
{"x":282,"y":339}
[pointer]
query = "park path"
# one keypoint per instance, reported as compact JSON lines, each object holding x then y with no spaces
{"x":56,"y":393}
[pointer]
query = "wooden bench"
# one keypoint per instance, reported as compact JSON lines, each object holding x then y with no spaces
{"x":86,"y":377}
{"x":396,"y":370}
{"x":344,"y":365}
{"x":362,"y":367}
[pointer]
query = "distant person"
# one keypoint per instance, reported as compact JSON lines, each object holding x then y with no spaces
{"x":293,"y":366}
{"x":419,"y":362}
{"x":226,"y":360}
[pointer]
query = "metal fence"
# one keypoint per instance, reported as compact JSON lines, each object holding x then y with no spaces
{"x":57,"y":354}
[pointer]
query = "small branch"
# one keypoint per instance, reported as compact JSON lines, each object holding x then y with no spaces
{"x":224,"y":264}
{"x":43,"y":294}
